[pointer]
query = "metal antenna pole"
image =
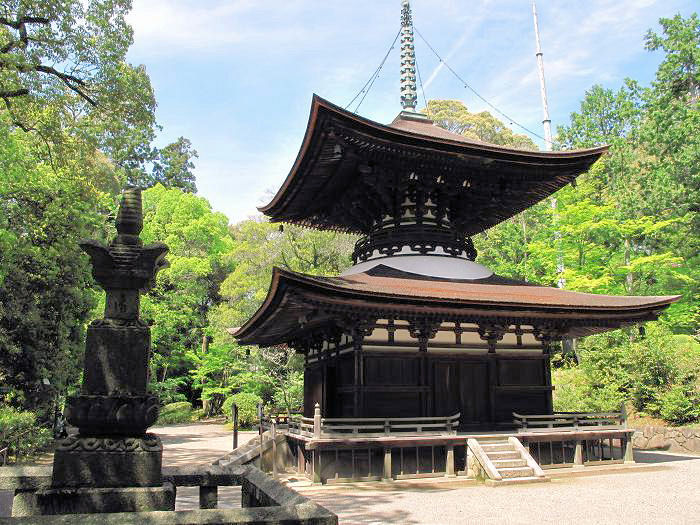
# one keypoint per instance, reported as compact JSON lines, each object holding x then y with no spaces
{"x":546,"y":122}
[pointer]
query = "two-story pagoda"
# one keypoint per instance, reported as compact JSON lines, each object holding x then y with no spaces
{"x":416,"y":327}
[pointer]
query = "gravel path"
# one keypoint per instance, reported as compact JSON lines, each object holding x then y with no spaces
{"x":670,"y":495}
{"x":197,"y":443}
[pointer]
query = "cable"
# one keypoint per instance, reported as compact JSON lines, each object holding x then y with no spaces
{"x":466,"y":85}
{"x":420,"y":81}
{"x":374,"y":76}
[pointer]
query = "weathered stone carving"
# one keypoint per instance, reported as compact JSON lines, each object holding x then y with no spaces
{"x":114,"y":409}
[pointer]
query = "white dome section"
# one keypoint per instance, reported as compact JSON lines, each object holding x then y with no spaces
{"x":428,"y":265}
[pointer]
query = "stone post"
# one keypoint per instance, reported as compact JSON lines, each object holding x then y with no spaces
{"x":114,"y":408}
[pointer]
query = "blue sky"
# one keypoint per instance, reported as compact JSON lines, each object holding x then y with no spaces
{"x":236,"y":77}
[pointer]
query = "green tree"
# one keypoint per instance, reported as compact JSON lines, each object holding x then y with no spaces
{"x":454,"y":116}
{"x":178,"y":305}
{"x":45,"y":282}
{"x":173,"y":166}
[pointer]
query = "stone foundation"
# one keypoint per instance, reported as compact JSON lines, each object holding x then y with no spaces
{"x":672,"y":439}
{"x":92,"y":500}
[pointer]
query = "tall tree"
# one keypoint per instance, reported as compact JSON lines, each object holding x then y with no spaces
{"x":454,"y":116}
{"x":174,"y":164}
{"x":179,"y":304}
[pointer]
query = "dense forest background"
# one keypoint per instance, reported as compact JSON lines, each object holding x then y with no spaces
{"x":71,"y":138}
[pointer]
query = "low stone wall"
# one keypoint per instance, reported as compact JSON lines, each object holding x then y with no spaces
{"x":682,"y":440}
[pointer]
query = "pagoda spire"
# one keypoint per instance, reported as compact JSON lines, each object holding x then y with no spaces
{"x":409,"y":98}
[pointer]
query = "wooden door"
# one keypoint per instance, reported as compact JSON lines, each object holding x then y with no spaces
{"x":473,"y":393}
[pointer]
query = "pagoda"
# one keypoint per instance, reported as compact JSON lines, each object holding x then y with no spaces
{"x":416,"y":327}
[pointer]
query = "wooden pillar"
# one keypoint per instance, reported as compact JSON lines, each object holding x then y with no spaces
{"x":627,"y":444}
{"x":359,"y":331}
{"x":424,"y":330}
{"x":546,"y":348}
{"x":578,"y":454}
{"x":208,"y":497}
{"x":387,"y":464}
{"x":546,"y":336}
{"x":316,"y":466}
{"x":492,"y":333}
{"x":273,"y":435}
{"x":493,"y":383}
{"x":317,"y":421}
{"x":301,"y":461}
{"x":450,"y":461}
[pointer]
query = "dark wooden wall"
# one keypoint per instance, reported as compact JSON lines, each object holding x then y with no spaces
{"x":485,"y":389}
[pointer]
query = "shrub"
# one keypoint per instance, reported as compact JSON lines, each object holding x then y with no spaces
{"x":13,"y":422}
{"x":22,"y":424}
{"x":573,"y":393}
{"x":659,"y":374}
{"x":247,"y":408}
{"x":679,"y":406}
{"x":173,"y":413}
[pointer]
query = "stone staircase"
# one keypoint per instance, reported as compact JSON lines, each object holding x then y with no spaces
{"x":247,"y":452}
{"x":503,"y":461}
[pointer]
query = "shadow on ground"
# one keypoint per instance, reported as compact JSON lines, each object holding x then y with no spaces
{"x":659,"y":456}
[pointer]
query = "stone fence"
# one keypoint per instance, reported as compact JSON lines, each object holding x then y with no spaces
{"x":672,"y":439}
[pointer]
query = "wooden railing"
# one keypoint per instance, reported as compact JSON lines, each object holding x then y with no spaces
{"x":300,"y":425}
{"x":389,"y":426}
{"x":571,"y":420}
{"x":318,"y":427}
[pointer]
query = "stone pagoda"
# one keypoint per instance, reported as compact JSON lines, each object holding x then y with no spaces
{"x":112,"y":464}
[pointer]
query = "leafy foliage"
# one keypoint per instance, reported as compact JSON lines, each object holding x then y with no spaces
{"x":454,"y":116}
{"x":174,"y":413}
{"x":247,"y":404}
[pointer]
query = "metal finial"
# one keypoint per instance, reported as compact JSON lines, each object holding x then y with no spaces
{"x":409,"y":97}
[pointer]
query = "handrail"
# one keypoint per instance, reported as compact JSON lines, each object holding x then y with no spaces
{"x":586,"y":420}
{"x":483,"y":459}
{"x":373,"y":426}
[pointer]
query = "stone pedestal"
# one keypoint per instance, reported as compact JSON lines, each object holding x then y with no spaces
{"x":108,"y":462}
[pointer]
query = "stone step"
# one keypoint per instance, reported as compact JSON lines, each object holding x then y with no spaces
{"x":510,"y":454}
{"x":498,"y":447}
{"x":508,"y":463}
{"x":515,"y":481}
{"x":516,"y":472}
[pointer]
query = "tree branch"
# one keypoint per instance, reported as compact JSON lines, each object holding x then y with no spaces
{"x":69,"y":81}
{"x":14,"y":93}
{"x":16,"y":24}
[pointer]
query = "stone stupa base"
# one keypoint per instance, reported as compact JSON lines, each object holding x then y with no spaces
{"x":104,"y":461}
{"x":93,"y":474}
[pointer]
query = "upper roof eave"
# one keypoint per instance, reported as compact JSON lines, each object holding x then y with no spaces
{"x":319,"y":105}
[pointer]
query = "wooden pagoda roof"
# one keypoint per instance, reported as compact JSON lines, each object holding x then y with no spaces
{"x":296,"y":303}
{"x":347,"y":164}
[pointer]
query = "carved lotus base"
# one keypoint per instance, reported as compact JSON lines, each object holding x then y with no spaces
{"x":97,"y":415}
{"x":113,"y":461}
